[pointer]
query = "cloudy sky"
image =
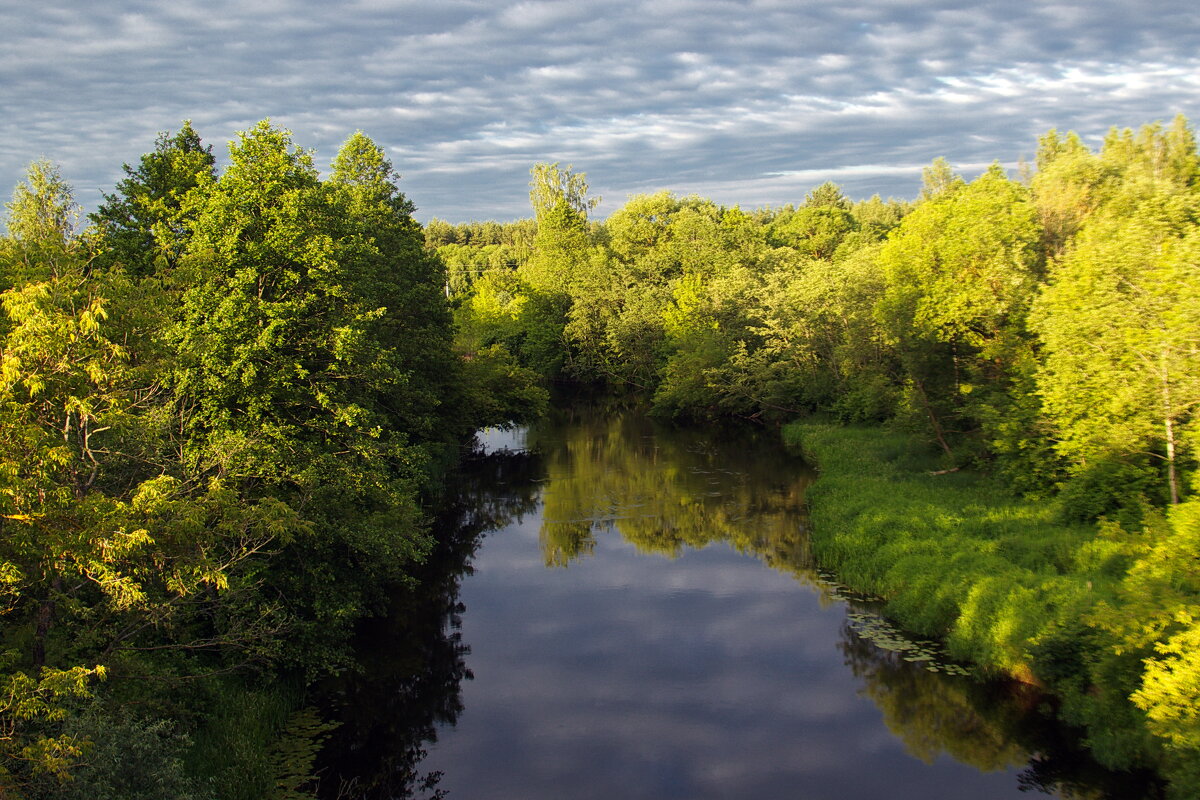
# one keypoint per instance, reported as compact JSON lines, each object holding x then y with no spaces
{"x":750,"y":102}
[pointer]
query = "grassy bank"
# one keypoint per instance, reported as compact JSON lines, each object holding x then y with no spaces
{"x":1002,"y":580}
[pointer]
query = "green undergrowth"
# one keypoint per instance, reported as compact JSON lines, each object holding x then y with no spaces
{"x":1003,"y":581}
{"x":955,"y":555}
{"x":258,"y":743}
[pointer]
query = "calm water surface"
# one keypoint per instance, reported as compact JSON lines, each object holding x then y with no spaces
{"x":623,"y":610}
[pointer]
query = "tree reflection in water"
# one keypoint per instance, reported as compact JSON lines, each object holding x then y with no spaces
{"x":664,"y":490}
{"x":412,"y":658}
{"x":987,"y":725}
{"x":602,"y":468}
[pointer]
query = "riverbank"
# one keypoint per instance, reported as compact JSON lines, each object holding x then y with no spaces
{"x":1002,"y":580}
{"x":654,"y":577}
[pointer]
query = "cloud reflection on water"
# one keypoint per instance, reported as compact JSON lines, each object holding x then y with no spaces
{"x":647,"y":668}
{"x":664,"y":660}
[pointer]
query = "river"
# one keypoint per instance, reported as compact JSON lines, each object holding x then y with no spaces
{"x":620,"y":609}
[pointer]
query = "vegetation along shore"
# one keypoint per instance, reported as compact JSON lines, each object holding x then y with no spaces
{"x":226,"y":401}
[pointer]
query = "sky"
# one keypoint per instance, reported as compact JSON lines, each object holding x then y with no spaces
{"x":750,"y":103}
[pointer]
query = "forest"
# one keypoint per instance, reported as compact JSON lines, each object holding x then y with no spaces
{"x":226,"y":402}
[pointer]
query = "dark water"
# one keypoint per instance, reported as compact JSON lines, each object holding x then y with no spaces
{"x":621,"y":610}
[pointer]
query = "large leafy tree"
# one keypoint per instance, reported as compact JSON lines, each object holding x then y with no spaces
{"x":313,"y":346}
{"x":43,"y":221}
{"x":143,"y":224}
{"x":1069,"y":185}
{"x":102,"y":558}
{"x":394,"y":279}
{"x":1114,"y":320}
{"x":818,"y":326}
{"x":961,"y":272}
{"x":819,"y":226}
{"x":561,"y":256}
{"x":1120,"y":326}
{"x":560,"y":205}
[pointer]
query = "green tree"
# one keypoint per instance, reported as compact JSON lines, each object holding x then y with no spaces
{"x":815,"y":231}
{"x":550,"y":185}
{"x":43,"y":220}
{"x":1165,"y":157}
{"x":143,"y":224}
{"x":827,"y":195}
{"x":1119,"y":323}
{"x":818,"y":324}
{"x":961,"y":273}
{"x":1069,"y":185}
{"x":876,"y":218}
{"x":640,"y":228}
{"x":396,"y":288}
{"x":561,"y":255}
{"x":98,"y":553}
{"x":938,"y":179}
{"x":560,"y":206}
{"x":295,"y":347}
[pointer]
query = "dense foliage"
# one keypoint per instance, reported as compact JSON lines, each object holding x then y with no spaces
{"x":221,"y":408}
{"x":224,"y":401}
{"x":1045,"y":330}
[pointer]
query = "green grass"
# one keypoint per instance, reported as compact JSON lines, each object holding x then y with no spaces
{"x":233,"y":749}
{"x":1002,"y":580}
{"x":955,"y":556}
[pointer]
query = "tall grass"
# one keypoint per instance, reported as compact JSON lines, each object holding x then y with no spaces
{"x":1003,"y":581}
{"x":955,"y":555}
{"x":235,"y":747}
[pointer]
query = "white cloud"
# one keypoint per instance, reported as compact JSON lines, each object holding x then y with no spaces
{"x":684,"y":95}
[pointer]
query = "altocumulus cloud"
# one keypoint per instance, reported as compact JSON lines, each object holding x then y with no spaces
{"x":746,"y":102}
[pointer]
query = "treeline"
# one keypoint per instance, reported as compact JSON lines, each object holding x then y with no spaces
{"x":224,"y":401}
{"x":222,"y":406}
{"x":1046,"y":330}
{"x":471,"y":249}
{"x":1042,"y":327}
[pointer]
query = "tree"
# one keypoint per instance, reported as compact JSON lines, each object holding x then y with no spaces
{"x":97,"y":551}
{"x":1119,"y":323}
{"x":1069,"y":185}
{"x":308,"y":346}
{"x":43,"y":218}
{"x":143,"y":224}
{"x":961,"y":272}
{"x":391,"y":275}
{"x":639,"y":228}
{"x":815,"y":231}
{"x":550,"y":186}
{"x":1167,"y":158}
{"x":561,"y":254}
{"x":827,"y":195}
{"x":876,"y":217}
{"x":560,"y":206}
{"x":938,"y":179}
{"x":818,"y":323}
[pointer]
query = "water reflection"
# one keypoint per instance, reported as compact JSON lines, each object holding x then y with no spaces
{"x":665,"y":490}
{"x":990,"y":726}
{"x":412,"y":659}
{"x":611,"y":674}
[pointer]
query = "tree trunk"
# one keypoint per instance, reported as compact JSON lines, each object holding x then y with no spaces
{"x":45,"y":617}
{"x":937,"y":428}
{"x":1172,"y":479}
{"x":1169,"y":425}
